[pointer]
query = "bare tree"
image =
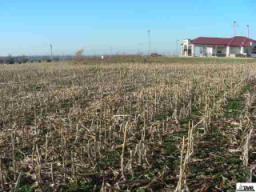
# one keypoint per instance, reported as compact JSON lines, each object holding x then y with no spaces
{"x":79,"y":54}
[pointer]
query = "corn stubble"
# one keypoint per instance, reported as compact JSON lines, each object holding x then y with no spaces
{"x":108,"y":125}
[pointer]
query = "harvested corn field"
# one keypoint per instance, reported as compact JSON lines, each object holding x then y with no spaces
{"x":127,"y":127}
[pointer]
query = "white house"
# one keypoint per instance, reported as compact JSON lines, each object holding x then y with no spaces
{"x":219,"y":47}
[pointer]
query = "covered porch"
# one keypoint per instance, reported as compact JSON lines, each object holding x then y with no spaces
{"x":211,"y":50}
{"x":205,"y":50}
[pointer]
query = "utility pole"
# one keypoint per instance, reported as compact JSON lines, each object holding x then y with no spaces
{"x":234,"y":28}
{"x":51,"y":52}
{"x":248,"y":27}
{"x":177,"y":43}
{"x":149,"y":43}
{"x":110,"y":50}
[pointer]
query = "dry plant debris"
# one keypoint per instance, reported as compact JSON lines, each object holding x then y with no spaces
{"x":127,"y":127}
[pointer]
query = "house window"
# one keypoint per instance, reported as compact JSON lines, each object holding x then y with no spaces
{"x":254,"y":49}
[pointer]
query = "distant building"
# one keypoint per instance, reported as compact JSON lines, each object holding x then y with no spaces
{"x":155,"y":55}
{"x":218,"y":47}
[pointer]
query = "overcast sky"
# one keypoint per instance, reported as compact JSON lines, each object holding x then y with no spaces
{"x":28,"y":27}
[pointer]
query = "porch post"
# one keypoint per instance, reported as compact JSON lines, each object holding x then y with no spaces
{"x":227,"y":51}
{"x":192,"y":50}
{"x":242,"y":50}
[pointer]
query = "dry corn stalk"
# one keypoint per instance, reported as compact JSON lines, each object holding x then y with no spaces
{"x":246,"y":148}
{"x":123,"y":150}
{"x":2,"y":174}
{"x":253,"y":175}
{"x":188,"y":150}
{"x":182,"y":171}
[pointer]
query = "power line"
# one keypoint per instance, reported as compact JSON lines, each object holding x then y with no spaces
{"x":110,"y":50}
{"x":149,"y":43}
{"x":177,"y":43}
{"x":235,"y":24}
{"x":248,"y":27}
{"x":51,"y":51}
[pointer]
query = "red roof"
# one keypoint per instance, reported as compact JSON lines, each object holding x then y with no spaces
{"x":232,"y":42}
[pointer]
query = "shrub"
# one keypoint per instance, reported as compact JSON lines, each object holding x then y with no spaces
{"x":23,"y":59}
{"x":10,"y":60}
{"x":56,"y":59}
